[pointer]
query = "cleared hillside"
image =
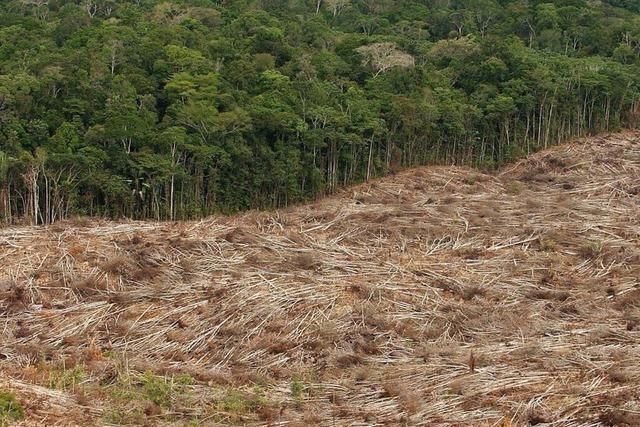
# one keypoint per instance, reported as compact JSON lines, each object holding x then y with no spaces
{"x":438,"y":296}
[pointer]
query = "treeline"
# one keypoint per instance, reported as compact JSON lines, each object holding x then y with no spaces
{"x":178,"y":109}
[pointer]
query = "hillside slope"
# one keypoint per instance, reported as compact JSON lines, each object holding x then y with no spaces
{"x":438,"y":296}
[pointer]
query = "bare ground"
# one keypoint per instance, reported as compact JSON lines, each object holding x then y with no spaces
{"x":438,"y":296}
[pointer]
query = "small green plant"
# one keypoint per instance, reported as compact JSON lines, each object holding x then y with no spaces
{"x":66,"y":379}
{"x":590,"y":249}
{"x":151,"y":393}
{"x":297,"y":389}
{"x":122,"y":416}
{"x":110,"y":354}
{"x":183,"y":379}
{"x":234,"y":402}
{"x":10,"y":409}
{"x":157,"y":389}
{"x":124,"y":389}
{"x":260,"y":401}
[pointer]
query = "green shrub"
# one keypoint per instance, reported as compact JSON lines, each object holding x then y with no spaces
{"x":234,"y":402}
{"x":66,"y":379}
{"x":157,"y":389}
{"x":10,"y":408}
{"x":297,"y":390}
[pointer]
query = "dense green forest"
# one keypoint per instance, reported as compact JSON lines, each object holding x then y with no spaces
{"x":177,"y":109}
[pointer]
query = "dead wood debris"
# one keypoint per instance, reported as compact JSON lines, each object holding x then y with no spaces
{"x":409,"y":300}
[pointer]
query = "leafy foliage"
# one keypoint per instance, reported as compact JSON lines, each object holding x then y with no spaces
{"x":177,"y":109}
{"x":10,"y":409}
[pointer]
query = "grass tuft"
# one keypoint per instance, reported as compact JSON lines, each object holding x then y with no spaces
{"x":11,"y":409}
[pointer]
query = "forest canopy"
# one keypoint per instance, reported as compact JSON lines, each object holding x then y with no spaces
{"x":178,"y":109}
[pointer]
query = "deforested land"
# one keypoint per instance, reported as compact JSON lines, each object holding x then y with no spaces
{"x":436,"y":296}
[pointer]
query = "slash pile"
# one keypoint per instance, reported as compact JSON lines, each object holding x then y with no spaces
{"x":438,"y":296}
